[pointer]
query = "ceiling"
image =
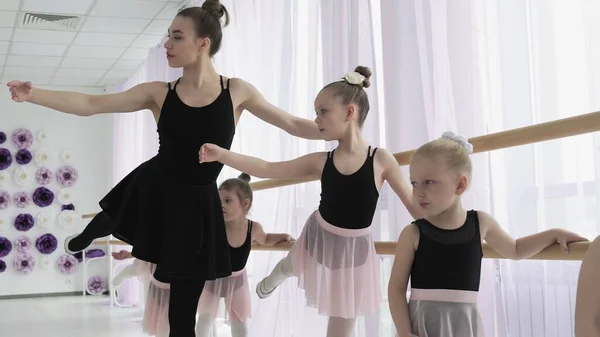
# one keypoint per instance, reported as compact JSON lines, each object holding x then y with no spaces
{"x":83,"y":43}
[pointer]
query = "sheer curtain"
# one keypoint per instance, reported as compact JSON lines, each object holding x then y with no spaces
{"x":438,"y":65}
{"x":478,"y":67}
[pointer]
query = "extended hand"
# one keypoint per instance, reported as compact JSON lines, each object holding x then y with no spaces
{"x":121,"y":255}
{"x":209,"y":153}
{"x":20,"y":91}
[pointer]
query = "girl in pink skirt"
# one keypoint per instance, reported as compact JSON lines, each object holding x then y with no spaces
{"x":441,"y":253}
{"x":236,"y":199}
{"x":334,"y":257}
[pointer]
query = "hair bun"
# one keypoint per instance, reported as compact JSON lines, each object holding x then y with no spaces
{"x":245,"y":177}
{"x":216,"y":9}
{"x":366,"y":72}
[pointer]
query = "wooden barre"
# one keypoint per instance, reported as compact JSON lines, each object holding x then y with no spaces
{"x":556,"y":129}
{"x":553,"y":252}
{"x":560,"y":128}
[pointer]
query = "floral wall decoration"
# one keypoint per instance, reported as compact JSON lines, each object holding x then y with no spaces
{"x":5,"y":246}
{"x":43,"y":197}
{"x":24,"y":263}
{"x":23,"y":157}
{"x":4,"y":178}
{"x":5,"y":158}
{"x":67,"y":264}
{"x":24,"y":222}
{"x":23,"y":244}
{"x":46,"y":244}
{"x":36,"y":193}
{"x":21,"y":199}
{"x":4,"y":200}
{"x":94,"y":253}
{"x":96,"y":285}
{"x":22,"y":138}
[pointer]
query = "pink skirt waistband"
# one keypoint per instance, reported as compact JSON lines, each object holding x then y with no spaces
{"x":341,"y":231}
{"x":444,"y":295}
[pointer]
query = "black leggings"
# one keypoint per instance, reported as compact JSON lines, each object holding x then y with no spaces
{"x":183,"y":305}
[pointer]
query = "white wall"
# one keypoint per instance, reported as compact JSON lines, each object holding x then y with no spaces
{"x":90,"y":141}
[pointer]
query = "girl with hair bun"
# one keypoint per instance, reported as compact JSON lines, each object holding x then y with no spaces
{"x":334,"y":257}
{"x":168,"y":208}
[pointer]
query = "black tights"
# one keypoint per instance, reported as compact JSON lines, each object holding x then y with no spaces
{"x":183,"y":305}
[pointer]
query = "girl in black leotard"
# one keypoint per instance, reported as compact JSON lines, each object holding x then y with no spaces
{"x":334,"y":257}
{"x":168,"y":208}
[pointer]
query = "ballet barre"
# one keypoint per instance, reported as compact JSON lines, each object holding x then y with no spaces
{"x":556,"y":129}
{"x":554,"y":252}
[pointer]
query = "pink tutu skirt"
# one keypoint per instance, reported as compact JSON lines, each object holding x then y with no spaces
{"x":338,"y":269}
{"x":156,"y":312}
{"x":234,"y":289}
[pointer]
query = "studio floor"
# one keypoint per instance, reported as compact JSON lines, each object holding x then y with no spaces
{"x":72,"y":317}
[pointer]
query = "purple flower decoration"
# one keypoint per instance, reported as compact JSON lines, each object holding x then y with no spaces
{"x":22,"y":138}
{"x":5,"y":246}
{"x":43,"y":176}
{"x":2,"y":266}
{"x":2,"y":137}
{"x":92,"y":253}
{"x":4,"y":199}
{"x":21,"y":199}
{"x":24,"y":263}
{"x":43,"y":197}
{"x":24,"y":222}
{"x":46,"y":244}
{"x":23,"y":244}
{"x":67,"y":264}
{"x":66,"y":175}
{"x":96,"y":285}
{"x":78,"y":256}
{"x":23,"y":157}
{"x":5,"y":159}
{"x":69,"y":207}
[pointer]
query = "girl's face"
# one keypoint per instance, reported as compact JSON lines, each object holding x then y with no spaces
{"x":233,"y":207}
{"x":333,"y":117}
{"x":436,"y":187}
{"x":183,"y":46}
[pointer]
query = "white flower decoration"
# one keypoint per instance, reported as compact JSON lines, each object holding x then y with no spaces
{"x":42,"y":136}
{"x":44,"y":262}
{"x":3,"y":224}
{"x":66,"y":157}
{"x":43,"y":220}
{"x":3,"y":178}
{"x":65,"y":196}
{"x":354,"y":78}
{"x":67,"y":219}
{"x":459,"y":139}
{"x":42,"y":156}
{"x":21,"y":176}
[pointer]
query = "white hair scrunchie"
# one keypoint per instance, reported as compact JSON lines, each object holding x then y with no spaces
{"x":354,"y":78}
{"x":459,"y":139}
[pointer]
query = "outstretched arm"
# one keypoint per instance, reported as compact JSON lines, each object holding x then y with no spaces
{"x":587,"y":305}
{"x":137,"y":98}
{"x":268,"y":239}
{"x":393,"y":175}
{"x":526,"y":246}
{"x":308,"y":165}
{"x":405,"y":254}
{"x":254,"y":102}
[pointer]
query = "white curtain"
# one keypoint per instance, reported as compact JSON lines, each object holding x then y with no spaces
{"x":485,"y":66}
{"x":471,"y":66}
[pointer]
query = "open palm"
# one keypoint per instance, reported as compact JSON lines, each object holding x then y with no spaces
{"x":20,"y":91}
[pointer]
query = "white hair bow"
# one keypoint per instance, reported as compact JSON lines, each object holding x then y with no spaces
{"x":354,"y":78}
{"x":459,"y":139}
